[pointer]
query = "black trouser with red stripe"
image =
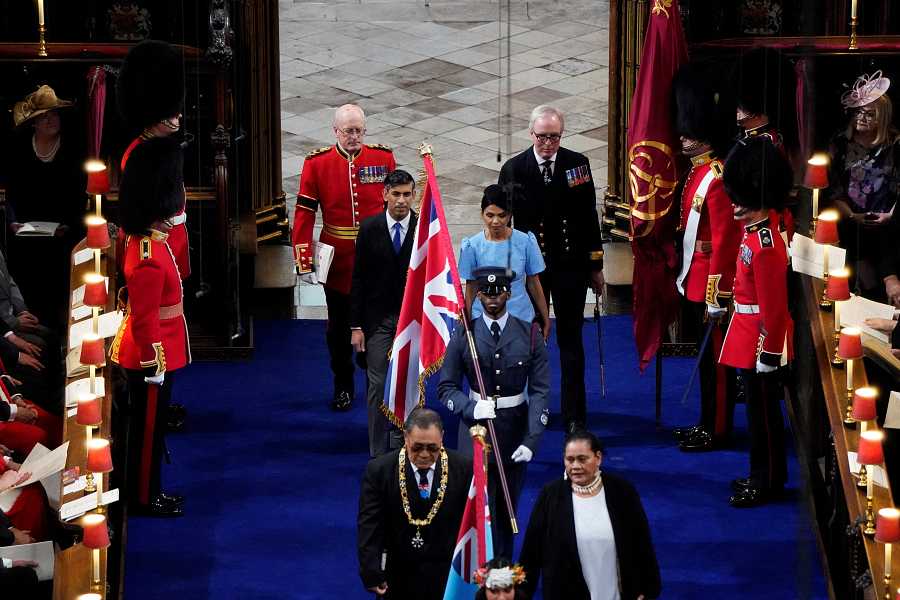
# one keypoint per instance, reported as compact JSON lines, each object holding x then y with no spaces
{"x":717,"y":382}
{"x":768,"y":462}
{"x":147,"y":411}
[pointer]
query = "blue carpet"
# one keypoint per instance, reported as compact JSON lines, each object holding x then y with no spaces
{"x":272,"y":476}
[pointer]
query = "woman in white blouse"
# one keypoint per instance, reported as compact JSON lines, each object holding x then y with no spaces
{"x":588,"y":537}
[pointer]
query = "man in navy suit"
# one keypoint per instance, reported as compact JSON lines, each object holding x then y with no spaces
{"x":559,"y":205}
{"x":513,"y":362}
{"x":383,"y":248}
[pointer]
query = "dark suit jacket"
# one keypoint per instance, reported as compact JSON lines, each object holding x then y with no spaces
{"x":562,"y":215}
{"x":550,"y":549}
{"x":379,"y":273}
{"x":382,"y":526}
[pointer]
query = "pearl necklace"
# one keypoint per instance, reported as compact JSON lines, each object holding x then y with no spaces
{"x":590,"y":488}
{"x":45,"y":157}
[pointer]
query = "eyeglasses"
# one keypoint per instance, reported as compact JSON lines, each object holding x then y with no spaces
{"x":545,"y":138}
{"x":430,"y":448}
{"x":862,"y":113}
{"x":352,"y":131}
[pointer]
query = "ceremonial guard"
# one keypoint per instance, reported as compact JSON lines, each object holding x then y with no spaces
{"x":410,"y":507}
{"x":346,"y":180}
{"x":150,"y":93}
{"x":152,"y":341}
{"x":710,"y":239}
{"x":757,"y":178}
{"x":560,"y":207}
{"x":513,"y":363}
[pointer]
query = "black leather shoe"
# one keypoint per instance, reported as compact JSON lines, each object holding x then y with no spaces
{"x":699,"y":442}
{"x":741,"y":484}
{"x":753,"y":496}
{"x":683,"y":433}
{"x":177,"y":410}
{"x":176,"y":499}
{"x":159,"y":508}
{"x":342,"y":401}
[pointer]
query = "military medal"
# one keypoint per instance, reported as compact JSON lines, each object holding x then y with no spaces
{"x":417,"y":541}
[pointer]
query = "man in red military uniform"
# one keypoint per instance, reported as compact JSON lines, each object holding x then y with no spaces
{"x":346,"y":180}
{"x":758,"y":177}
{"x":152,"y":341}
{"x":710,"y":239}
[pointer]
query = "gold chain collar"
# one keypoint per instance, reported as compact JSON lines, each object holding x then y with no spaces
{"x":404,"y":496}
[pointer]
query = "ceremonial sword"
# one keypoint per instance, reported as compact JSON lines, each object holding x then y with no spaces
{"x":703,"y":344}
{"x":600,"y":348}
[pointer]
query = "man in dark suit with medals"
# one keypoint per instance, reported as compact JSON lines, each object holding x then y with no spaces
{"x":559,"y":206}
{"x":383,"y":248}
{"x":410,"y":507}
{"x":514,"y":369}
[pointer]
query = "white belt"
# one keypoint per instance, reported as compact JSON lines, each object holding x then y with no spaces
{"x":179,"y":219}
{"x":746,"y":309}
{"x":502,"y":401}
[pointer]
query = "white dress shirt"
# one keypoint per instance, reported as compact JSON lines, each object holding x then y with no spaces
{"x":501,"y":321}
{"x":541,"y":160}
{"x":404,"y":226}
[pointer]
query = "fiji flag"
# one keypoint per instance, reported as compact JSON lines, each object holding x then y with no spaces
{"x":473,"y":544}
{"x":432,"y":301}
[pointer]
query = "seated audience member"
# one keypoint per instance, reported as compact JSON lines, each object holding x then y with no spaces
{"x":889,"y":259}
{"x":498,"y":579}
{"x":25,"y":508}
{"x":500,"y":244}
{"x":588,"y":536}
{"x":22,"y":322}
{"x":46,"y":183}
{"x":18,"y":579}
{"x":888,"y":326}
{"x":27,"y":423}
{"x":865,"y":180}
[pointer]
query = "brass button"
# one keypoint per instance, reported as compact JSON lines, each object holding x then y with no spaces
{"x":567,"y":248}
{"x":497,"y":372}
{"x":496,"y":356}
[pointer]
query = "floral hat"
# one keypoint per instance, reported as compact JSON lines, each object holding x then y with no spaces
{"x":37,"y":103}
{"x":865,"y":90}
{"x":500,"y":578}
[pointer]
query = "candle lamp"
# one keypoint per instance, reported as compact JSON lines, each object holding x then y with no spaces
{"x":96,"y":537}
{"x":837,"y":289}
{"x":95,"y":296}
{"x":93,"y":355}
{"x":887,"y":532}
{"x":850,"y":349}
{"x":853,"y":23}
{"x":42,"y":30}
{"x":816,"y":178}
{"x":98,"y":182}
{"x":870,"y":452}
{"x":863,"y":412}
{"x":827,"y":234}
{"x":97,"y":237}
{"x":89,"y":413}
{"x":99,"y":461}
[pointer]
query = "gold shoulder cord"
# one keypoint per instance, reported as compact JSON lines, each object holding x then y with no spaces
{"x":417,"y":541}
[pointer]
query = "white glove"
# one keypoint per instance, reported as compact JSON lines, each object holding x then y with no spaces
{"x":484,"y":409}
{"x":762,"y":368}
{"x":522,"y":454}
{"x":309,"y":278}
{"x":156,"y":379}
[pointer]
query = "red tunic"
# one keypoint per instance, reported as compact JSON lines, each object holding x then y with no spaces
{"x":348,"y":189}
{"x":153,"y":335}
{"x":178,"y":237}
{"x":710,"y":276}
{"x":760,"y":328}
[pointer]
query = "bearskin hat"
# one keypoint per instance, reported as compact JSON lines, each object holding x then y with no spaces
{"x":151,"y":84}
{"x":757,"y":175}
{"x":697,"y":112}
{"x":152,"y":187}
{"x":763,"y":83}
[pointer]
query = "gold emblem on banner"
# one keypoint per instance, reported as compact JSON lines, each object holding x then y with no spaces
{"x":649,"y":192}
{"x":661,"y":7}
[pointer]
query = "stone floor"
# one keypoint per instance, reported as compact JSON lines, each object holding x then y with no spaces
{"x":462,"y":76}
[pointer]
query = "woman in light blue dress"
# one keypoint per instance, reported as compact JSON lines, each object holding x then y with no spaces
{"x":499,"y":245}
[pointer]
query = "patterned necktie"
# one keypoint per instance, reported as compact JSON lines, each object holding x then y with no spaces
{"x":548,"y":174}
{"x":495,"y":330}
{"x":423,"y":483}
{"x":397,"y":242}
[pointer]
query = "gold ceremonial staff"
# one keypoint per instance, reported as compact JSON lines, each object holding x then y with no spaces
{"x":426,"y":152}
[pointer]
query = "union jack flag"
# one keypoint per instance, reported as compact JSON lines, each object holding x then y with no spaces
{"x":474,"y":546}
{"x":432,"y":301}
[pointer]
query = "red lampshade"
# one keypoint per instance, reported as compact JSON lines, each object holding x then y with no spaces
{"x":96,"y":534}
{"x":97,"y":232}
{"x":99,"y":458}
{"x":837,"y":288}
{"x":826,"y":229}
{"x":92,"y":351}
{"x":816,"y":176}
{"x":887,"y":526}
{"x":869,"y":451}
{"x":98,"y":177}
{"x":864,"y":403}
{"x":850,"y":344}
{"x":88,"y":410}
{"x":94,"y":290}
